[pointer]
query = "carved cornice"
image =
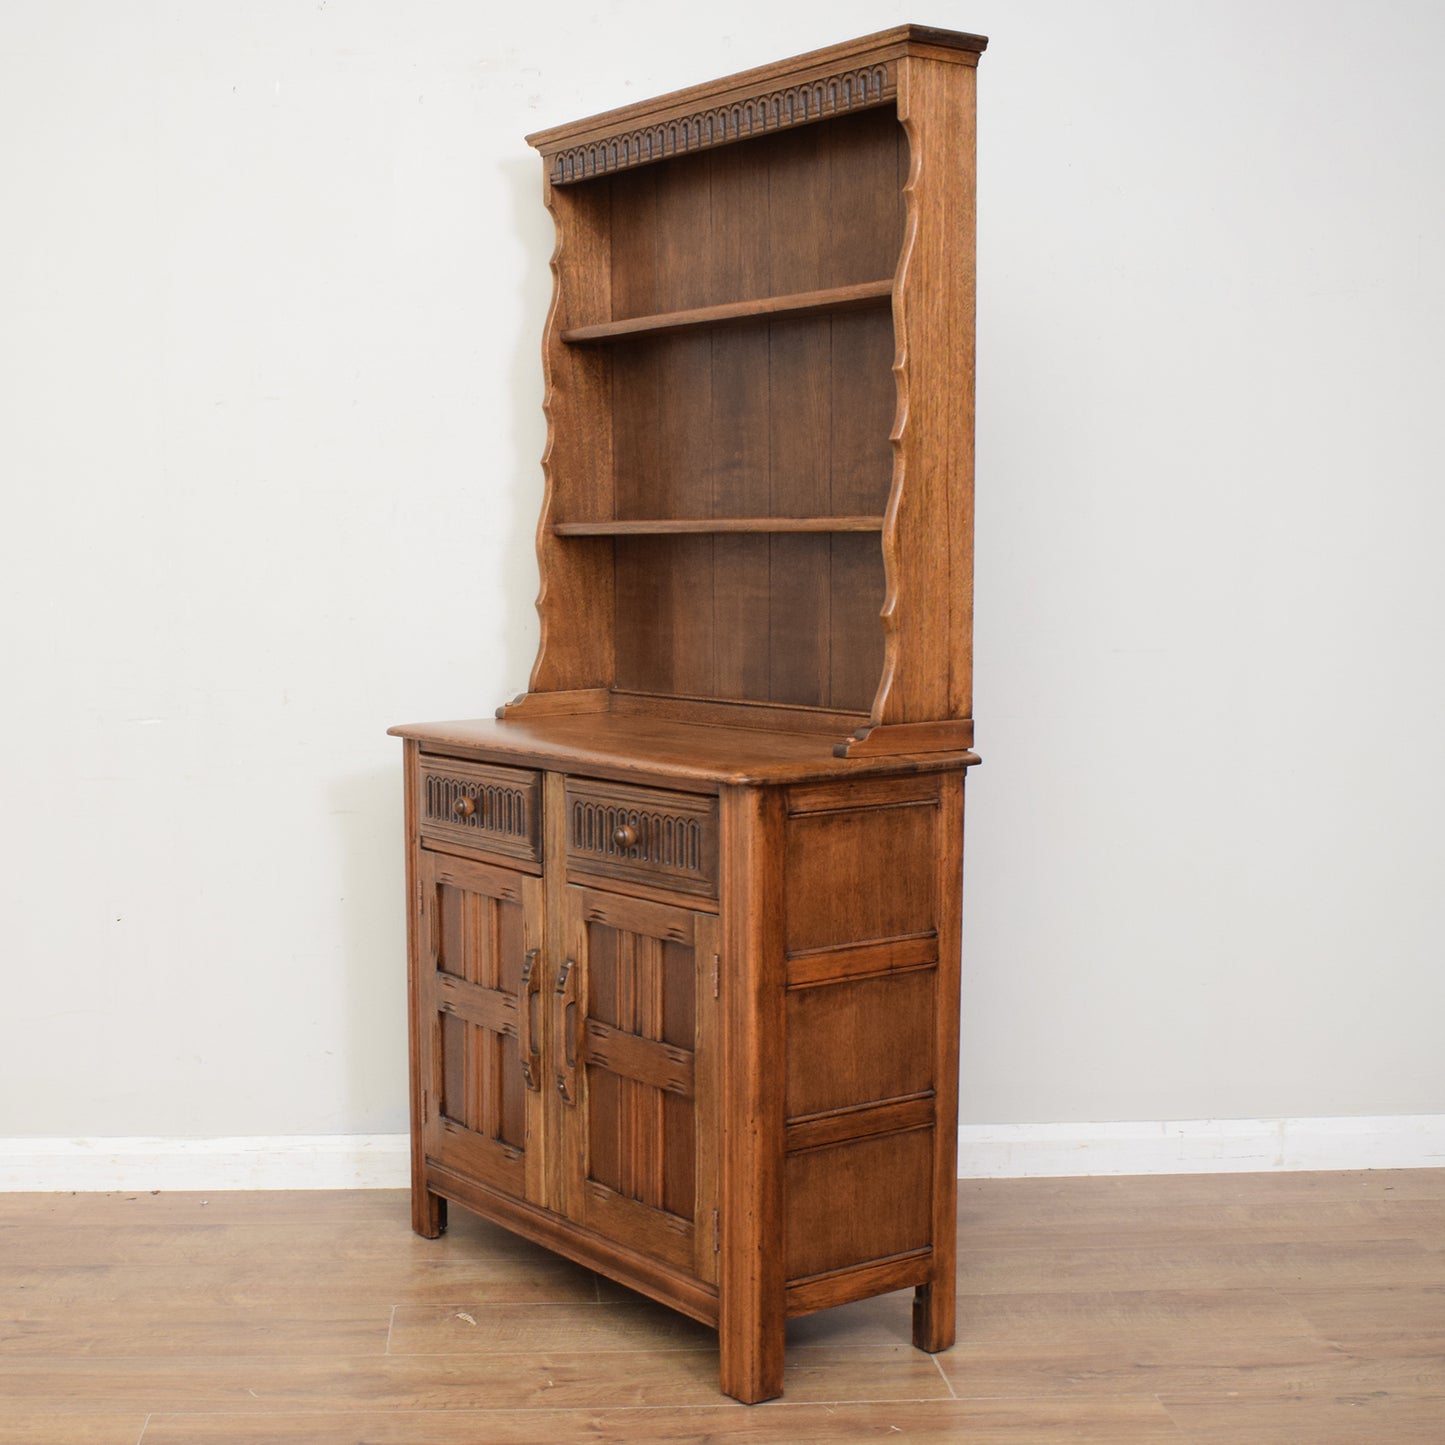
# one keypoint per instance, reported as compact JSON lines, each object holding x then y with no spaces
{"x":737,"y":119}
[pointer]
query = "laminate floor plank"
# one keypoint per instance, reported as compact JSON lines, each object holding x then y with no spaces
{"x":505,"y":1329}
{"x":204,"y":1332}
{"x":884,"y":1320}
{"x":1177,"y":1210}
{"x":80,"y":1209}
{"x":1295,"y":1368}
{"x":302,"y":1288}
{"x":1377,"y":1321}
{"x":1069,"y":1196}
{"x":215,"y":1228}
{"x":433,"y":1382}
{"x":27,"y":1429}
{"x":827,"y":1375}
{"x":938,"y":1422}
{"x":611,"y":1379}
{"x":1166,"y":1322}
{"x":1223,"y":1264}
{"x":1354,"y":1419}
{"x":1177,"y":1225}
{"x":353,"y":1244}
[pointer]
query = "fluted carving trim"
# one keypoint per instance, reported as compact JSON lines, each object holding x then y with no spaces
{"x":499,"y":808}
{"x":664,"y":840}
{"x":738,"y":119}
{"x":506,"y":811}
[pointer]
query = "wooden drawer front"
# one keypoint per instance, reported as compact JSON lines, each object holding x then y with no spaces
{"x":666,"y":839}
{"x":495,"y":810}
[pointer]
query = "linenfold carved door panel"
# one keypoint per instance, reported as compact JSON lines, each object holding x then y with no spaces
{"x":637,"y":1060}
{"x":482,"y":974}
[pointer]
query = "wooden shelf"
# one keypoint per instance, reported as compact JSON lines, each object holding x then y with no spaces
{"x":675,"y":526}
{"x":835,"y":298}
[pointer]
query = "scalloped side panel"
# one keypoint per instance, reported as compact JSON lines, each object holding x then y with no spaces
{"x":892,"y":568}
{"x":575,"y":596}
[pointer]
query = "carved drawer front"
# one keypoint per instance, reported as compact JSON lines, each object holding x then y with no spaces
{"x":668,"y":840}
{"x":494,"y":810}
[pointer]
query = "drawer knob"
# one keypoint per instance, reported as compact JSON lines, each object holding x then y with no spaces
{"x":624,"y":835}
{"x":464,"y":806}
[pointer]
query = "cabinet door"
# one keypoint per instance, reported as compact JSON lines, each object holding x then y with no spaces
{"x":637,"y":1070}
{"x":481,"y":1057}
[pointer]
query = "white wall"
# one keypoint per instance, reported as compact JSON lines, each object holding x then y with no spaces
{"x":1208,"y":867}
{"x":272,"y":278}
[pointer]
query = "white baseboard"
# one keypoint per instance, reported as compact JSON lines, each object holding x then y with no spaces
{"x":985,"y":1151}
{"x":1201,"y":1146}
{"x":302,"y":1161}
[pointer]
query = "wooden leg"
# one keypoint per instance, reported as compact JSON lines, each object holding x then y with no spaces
{"x":428,"y":1212}
{"x":751,"y":1362}
{"x":752,"y":1307}
{"x":933,"y":1303}
{"x":933,"y":1327}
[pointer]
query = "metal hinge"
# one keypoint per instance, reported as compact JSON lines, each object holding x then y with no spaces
{"x":425,"y":1108}
{"x":716,"y":974}
{"x":716,"y":1233}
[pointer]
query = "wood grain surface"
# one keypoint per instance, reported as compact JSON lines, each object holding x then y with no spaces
{"x":616,"y":745}
{"x":759,"y":394}
{"x":1247,"y":1309}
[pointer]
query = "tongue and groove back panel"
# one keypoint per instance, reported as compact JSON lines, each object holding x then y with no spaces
{"x":780,"y":418}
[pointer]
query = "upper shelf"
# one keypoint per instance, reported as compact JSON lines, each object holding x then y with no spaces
{"x":673,"y":526}
{"x":834,"y":298}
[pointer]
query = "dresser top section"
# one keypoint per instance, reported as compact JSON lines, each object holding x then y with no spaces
{"x":622,"y":746}
{"x":855,"y":75}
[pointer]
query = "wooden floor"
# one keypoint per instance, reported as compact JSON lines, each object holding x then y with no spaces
{"x":1299,"y":1308}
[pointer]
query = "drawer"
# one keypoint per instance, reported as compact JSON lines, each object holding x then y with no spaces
{"x":494,"y":810}
{"x":668,"y":840}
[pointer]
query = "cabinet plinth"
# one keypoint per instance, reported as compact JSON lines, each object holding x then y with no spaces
{"x":684,"y":920}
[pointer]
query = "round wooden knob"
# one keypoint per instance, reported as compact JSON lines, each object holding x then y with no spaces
{"x":464,"y":806}
{"x":624,"y":835}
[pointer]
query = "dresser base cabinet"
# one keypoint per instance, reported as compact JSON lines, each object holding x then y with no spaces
{"x":739,"y":1099}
